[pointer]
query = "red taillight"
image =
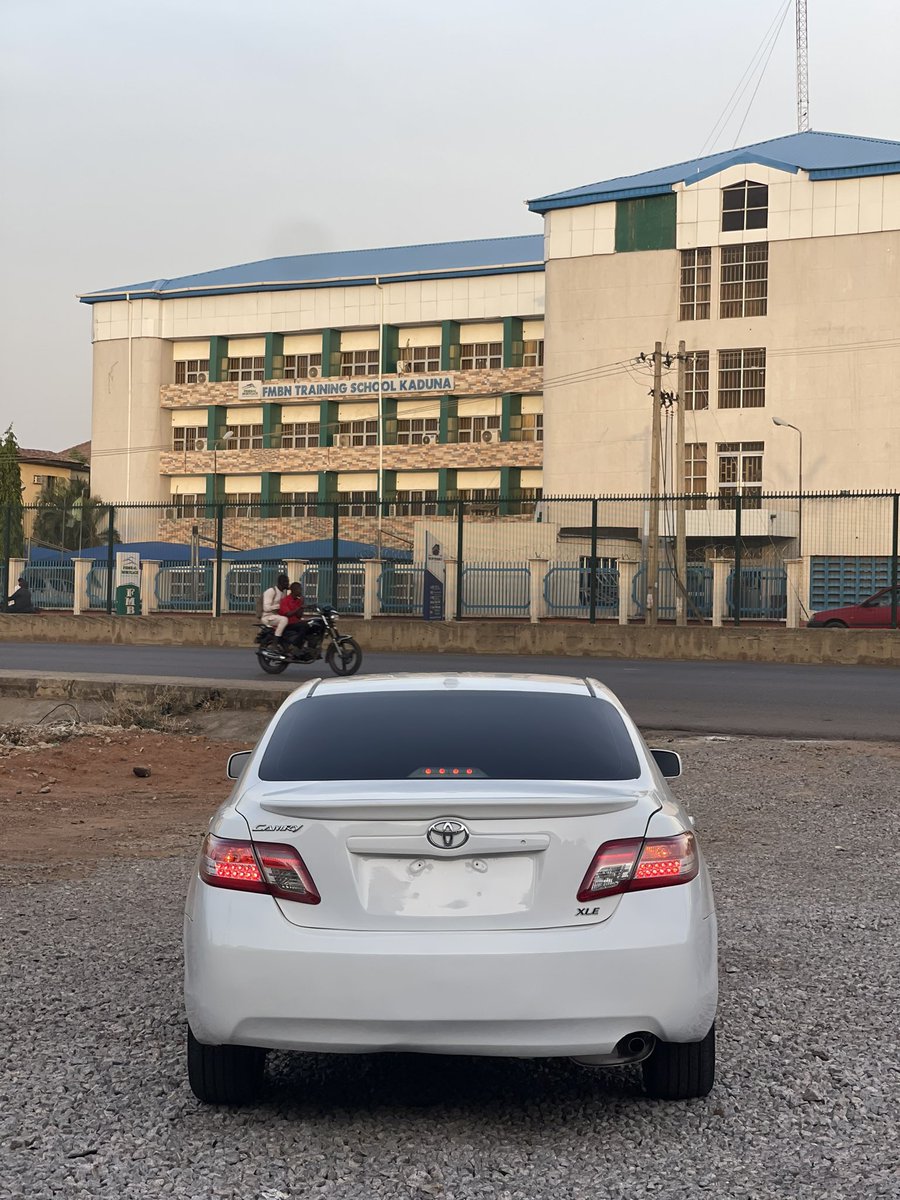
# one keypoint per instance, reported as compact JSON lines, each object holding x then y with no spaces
{"x":633,"y":864}
{"x":257,"y":867}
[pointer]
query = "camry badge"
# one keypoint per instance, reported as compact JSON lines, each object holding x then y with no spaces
{"x":448,"y":835}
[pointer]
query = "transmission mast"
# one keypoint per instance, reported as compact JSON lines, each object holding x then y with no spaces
{"x":802,"y":69}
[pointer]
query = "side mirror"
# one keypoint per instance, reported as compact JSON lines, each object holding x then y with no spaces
{"x":668,"y":762}
{"x":237,"y":762}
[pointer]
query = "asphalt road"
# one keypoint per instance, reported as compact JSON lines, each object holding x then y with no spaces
{"x":727,"y":698}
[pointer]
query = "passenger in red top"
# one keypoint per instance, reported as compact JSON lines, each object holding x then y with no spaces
{"x":291,"y":607}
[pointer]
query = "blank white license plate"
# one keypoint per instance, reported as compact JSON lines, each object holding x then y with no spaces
{"x":462,"y":887}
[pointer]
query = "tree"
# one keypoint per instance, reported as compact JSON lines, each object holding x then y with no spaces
{"x":70,"y":518}
{"x":12,"y":526}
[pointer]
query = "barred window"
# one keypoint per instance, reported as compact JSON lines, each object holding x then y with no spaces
{"x":480,"y":501}
{"x":188,"y":505}
{"x":187,"y":370}
{"x":533,"y":353}
{"x":359,"y":362}
{"x":411,"y":431}
{"x":360,"y":433}
{"x":50,"y":482}
{"x":184,"y":437}
{"x":745,"y":206}
{"x":470,"y":429}
{"x":421,"y":359}
{"x":695,"y":472}
{"x":298,"y":504}
{"x":300,"y":435}
{"x":243,"y":437}
{"x":744,"y":280}
{"x":742,"y":378}
{"x":696,"y":380}
{"x":696,"y":284}
{"x":528,"y":427}
{"x":243,"y":499}
{"x":359,"y":504}
{"x":529,"y":498}
{"x":416,"y":503}
{"x":253,"y":367}
{"x":740,"y":473}
{"x":296,"y":366}
{"x":480,"y":356}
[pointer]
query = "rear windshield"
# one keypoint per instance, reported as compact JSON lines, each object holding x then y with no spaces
{"x":419,"y":734}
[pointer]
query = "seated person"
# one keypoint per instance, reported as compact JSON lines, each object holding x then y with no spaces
{"x":20,"y":600}
{"x":271,"y":598}
{"x":291,"y":635}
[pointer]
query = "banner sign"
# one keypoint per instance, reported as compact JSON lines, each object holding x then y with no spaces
{"x":393,"y":385}
{"x":435,"y":574}
{"x":128,"y":568}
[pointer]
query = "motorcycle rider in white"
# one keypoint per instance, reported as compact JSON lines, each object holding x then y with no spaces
{"x":271,"y":599}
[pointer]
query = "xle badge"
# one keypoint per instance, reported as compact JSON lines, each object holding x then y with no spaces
{"x":587,"y":912}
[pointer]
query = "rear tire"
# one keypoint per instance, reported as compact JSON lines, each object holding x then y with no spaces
{"x":271,"y":666}
{"x":344,"y":658}
{"x":681,"y":1070}
{"x":835,"y":625}
{"x":224,"y":1074}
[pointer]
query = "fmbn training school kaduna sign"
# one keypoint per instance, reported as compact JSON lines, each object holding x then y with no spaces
{"x":393,"y":385}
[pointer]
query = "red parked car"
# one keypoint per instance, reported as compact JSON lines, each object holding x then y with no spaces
{"x":874,"y":613}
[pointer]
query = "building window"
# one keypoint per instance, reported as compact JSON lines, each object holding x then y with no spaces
{"x":529,"y":499}
{"x":695,"y":472}
{"x":480,"y":501}
{"x":696,"y":284}
{"x":745,"y":206}
{"x":470,"y":429}
{"x":744,"y":280}
{"x":243,"y":437}
{"x":420,"y":359}
{"x":696,"y":380}
{"x":359,"y":504}
{"x":528,"y":427}
{"x":300,"y":435}
{"x":480,"y":356}
{"x":252,"y":367}
{"x":359,"y":362}
{"x":360,"y":433}
{"x":187,"y":370}
{"x":412,"y":431}
{"x":184,"y":437}
{"x":533,"y":353}
{"x":742,"y":378}
{"x":417,"y":503}
{"x":298,"y":504}
{"x":740,"y":473}
{"x":188,"y":505}
{"x":296,"y":366}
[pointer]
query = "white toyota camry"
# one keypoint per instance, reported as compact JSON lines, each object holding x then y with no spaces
{"x":451,"y":864}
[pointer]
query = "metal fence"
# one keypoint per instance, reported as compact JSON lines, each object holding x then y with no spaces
{"x":565,"y":558}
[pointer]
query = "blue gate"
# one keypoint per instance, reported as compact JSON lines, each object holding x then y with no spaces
{"x":496,"y":589}
{"x":401,"y":588}
{"x":246,"y":581}
{"x":837,"y":580}
{"x":96,"y":585}
{"x":763,"y":593}
{"x":567,"y":590}
{"x":52,"y":584}
{"x":350,"y":585}
{"x":699,"y":586}
{"x":181,"y":587}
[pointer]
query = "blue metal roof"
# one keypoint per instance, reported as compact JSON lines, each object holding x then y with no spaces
{"x":343,"y":268}
{"x":823,"y":155}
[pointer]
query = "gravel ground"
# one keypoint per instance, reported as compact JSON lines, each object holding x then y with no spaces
{"x":94,"y":1099}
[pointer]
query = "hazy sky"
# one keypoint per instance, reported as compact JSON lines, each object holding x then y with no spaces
{"x":142,"y":139}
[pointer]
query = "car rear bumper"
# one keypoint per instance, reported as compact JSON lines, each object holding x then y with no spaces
{"x":253,"y":978}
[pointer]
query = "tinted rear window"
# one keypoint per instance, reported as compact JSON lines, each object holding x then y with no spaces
{"x":501,"y":735}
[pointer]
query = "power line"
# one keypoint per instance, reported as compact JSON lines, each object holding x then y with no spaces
{"x":761,"y":74}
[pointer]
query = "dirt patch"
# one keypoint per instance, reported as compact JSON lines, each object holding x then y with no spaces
{"x":66,"y":807}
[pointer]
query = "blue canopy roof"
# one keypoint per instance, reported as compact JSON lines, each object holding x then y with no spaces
{"x":823,"y":155}
{"x":154,"y":551}
{"x":316,"y":549}
{"x":343,"y":268}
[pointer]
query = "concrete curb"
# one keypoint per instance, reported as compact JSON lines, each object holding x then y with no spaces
{"x":112,"y":689}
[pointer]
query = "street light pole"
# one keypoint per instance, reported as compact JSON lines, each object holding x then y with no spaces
{"x":799,"y":432}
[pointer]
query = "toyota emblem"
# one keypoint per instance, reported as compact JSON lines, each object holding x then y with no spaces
{"x":448,"y":835}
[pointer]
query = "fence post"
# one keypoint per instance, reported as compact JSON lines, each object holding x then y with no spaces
{"x":149,"y":576}
{"x":592,"y":612}
{"x":217,"y":583}
{"x":537,"y":607}
{"x":793,"y":568}
{"x":372,"y":568}
{"x":335,"y":552}
{"x":459,"y":559}
{"x":451,"y":588}
{"x":737,"y":586}
{"x":7,"y":531}
{"x":895,"y":554}
{"x":628,"y":569}
{"x":720,"y":588}
{"x":110,"y":560}
{"x":81,"y":601}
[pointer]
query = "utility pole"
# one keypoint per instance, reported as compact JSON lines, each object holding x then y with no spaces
{"x":652,"y":606}
{"x":680,"y":501}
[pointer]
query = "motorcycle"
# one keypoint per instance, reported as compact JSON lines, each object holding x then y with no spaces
{"x":341,"y":652}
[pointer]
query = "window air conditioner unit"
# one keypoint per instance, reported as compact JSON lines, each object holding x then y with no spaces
{"x":202,"y":377}
{"x":490,"y":435}
{"x":200,"y":444}
{"x":404,"y":366}
{"x":344,"y":440}
{"x":170,"y":514}
{"x":313,"y":372}
{"x":429,"y":439}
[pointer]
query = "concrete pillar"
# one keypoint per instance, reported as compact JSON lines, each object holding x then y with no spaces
{"x":797,"y":592}
{"x":149,"y":574}
{"x":451,"y":588}
{"x":215,"y":585}
{"x":720,"y":569}
{"x":81,"y":602}
{"x":628,"y":568}
{"x":16,"y":568}
{"x":371,"y":574}
{"x":294,"y":568}
{"x":537,"y":605}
